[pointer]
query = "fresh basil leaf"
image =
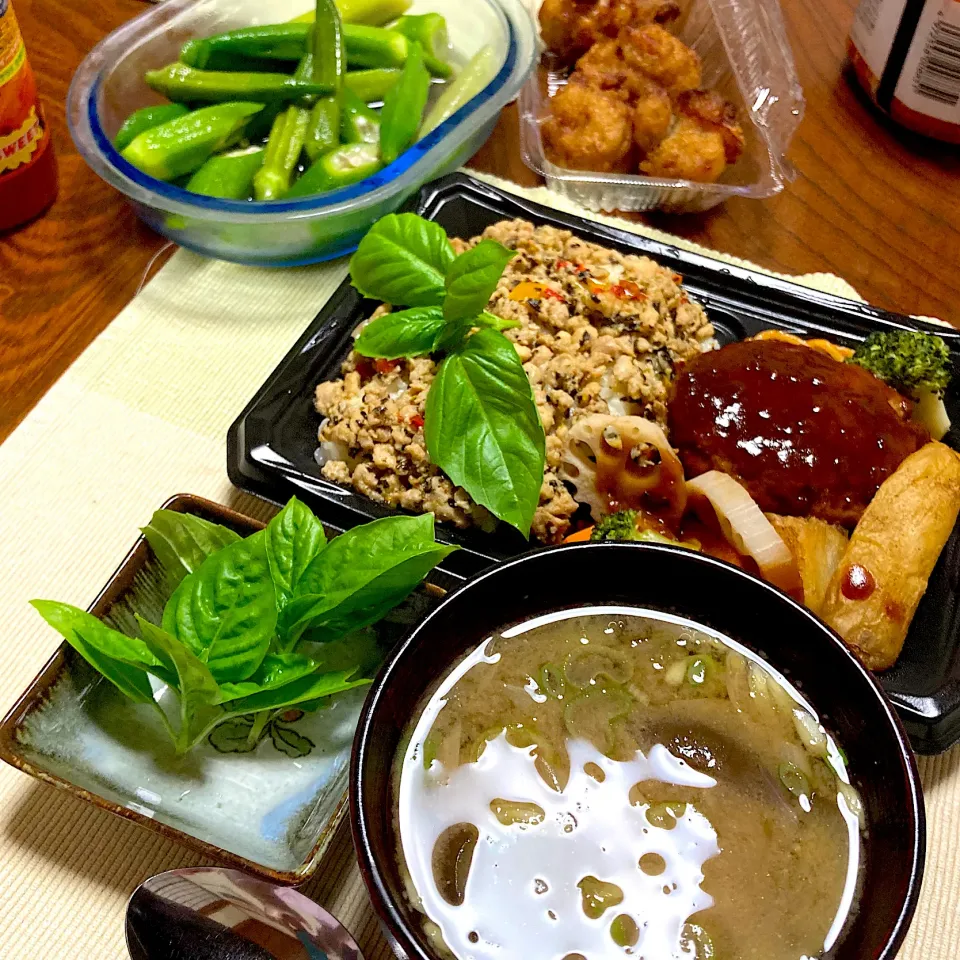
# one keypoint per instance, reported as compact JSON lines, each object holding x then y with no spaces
{"x":276,"y":670}
{"x":168,"y":621}
{"x":198,"y":690}
{"x":473,"y":278}
{"x":362,"y":575}
{"x":483,"y":430}
{"x":183,"y":541}
{"x":359,"y":650}
{"x":457,"y":331}
{"x":289,"y":741}
{"x":407,"y":333}
{"x":369,"y":603}
{"x":293,"y":538}
{"x":491,"y":320}
{"x":227,"y":611}
{"x":233,"y":736}
{"x":312,"y":687}
{"x":403,"y":260}
{"x":106,"y":649}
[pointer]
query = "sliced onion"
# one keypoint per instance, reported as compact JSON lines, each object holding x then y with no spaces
{"x":810,"y":733}
{"x":747,"y":530}
{"x":931,"y":412}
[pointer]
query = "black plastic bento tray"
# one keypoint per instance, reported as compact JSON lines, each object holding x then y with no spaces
{"x":271,"y":446}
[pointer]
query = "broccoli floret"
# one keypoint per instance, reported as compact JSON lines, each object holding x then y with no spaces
{"x":912,"y":362}
{"x":617,"y":526}
{"x":623,"y":526}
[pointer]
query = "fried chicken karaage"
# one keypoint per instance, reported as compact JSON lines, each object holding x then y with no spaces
{"x":589,"y":129}
{"x":702,"y":141}
{"x":634,"y":100}
{"x":570,"y":27}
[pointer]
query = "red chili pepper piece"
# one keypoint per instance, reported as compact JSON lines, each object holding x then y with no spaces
{"x":385,"y":366}
{"x":416,"y":421}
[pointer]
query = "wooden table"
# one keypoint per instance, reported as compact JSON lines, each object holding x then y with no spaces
{"x":872,"y":203}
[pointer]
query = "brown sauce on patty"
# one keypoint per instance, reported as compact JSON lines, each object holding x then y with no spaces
{"x":805,"y":434}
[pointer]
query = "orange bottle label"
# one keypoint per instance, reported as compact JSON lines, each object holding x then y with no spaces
{"x":21,"y":126}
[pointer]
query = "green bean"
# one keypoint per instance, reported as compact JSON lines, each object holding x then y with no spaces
{"x":374,"y":12}
{"x":430,"y":31}
{"x":183,"y":84}
{"x":374,"y":46}
{"x":284,"y":147}
{"x":228,"y":175}
{"x":328,"y":64}
{"x":323,"y":129}
{"x":146,"y":119}
{"x":181,"y":146}
{"x":278,"y":41}
{"x":339,"y":168}
{"x":403,"y":107}
{"x":474,"y":78}
{"x":371,"y":85}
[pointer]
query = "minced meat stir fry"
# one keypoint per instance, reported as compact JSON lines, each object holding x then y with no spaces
{"x":602,"y":333}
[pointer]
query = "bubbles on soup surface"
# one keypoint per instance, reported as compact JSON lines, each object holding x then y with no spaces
{"x":584,"y":786}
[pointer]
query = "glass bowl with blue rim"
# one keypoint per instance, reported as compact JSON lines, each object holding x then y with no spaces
{"x":109,"y":85}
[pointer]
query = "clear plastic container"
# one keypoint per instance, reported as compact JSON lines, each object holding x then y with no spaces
{"x":109,"y":86}
{"x":746,"y":57}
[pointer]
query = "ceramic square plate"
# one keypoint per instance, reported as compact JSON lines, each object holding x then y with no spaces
{"x":271,"y":811}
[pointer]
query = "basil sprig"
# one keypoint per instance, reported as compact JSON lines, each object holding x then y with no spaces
{"x":259,"y":625}
{"x":481,"y":423}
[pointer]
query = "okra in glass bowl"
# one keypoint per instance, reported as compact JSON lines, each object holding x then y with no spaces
{"x":109,"y":86}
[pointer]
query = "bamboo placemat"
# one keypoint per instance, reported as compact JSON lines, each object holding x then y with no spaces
{"x":143,"y":414}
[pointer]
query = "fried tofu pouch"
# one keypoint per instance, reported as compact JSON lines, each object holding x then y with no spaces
{"x":818,"y":548}
{"x":896,"y":545}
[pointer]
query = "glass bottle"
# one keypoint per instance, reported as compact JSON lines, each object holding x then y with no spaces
{"x":28,"y":168}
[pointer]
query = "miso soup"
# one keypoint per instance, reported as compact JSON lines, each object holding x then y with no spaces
{"x":612,"y":781}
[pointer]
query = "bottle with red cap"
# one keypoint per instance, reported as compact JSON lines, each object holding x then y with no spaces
{"x":28,"y":168}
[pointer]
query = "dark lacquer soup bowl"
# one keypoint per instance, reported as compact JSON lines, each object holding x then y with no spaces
{"x":681,"y":584}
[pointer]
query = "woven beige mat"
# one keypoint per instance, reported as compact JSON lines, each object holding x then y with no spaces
{"x":143,"y":414}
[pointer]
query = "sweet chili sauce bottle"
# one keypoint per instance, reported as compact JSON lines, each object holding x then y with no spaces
{"x":28,"y":168}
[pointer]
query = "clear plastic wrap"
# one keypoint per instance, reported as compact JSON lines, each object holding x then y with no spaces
{"x":747,"y":58}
